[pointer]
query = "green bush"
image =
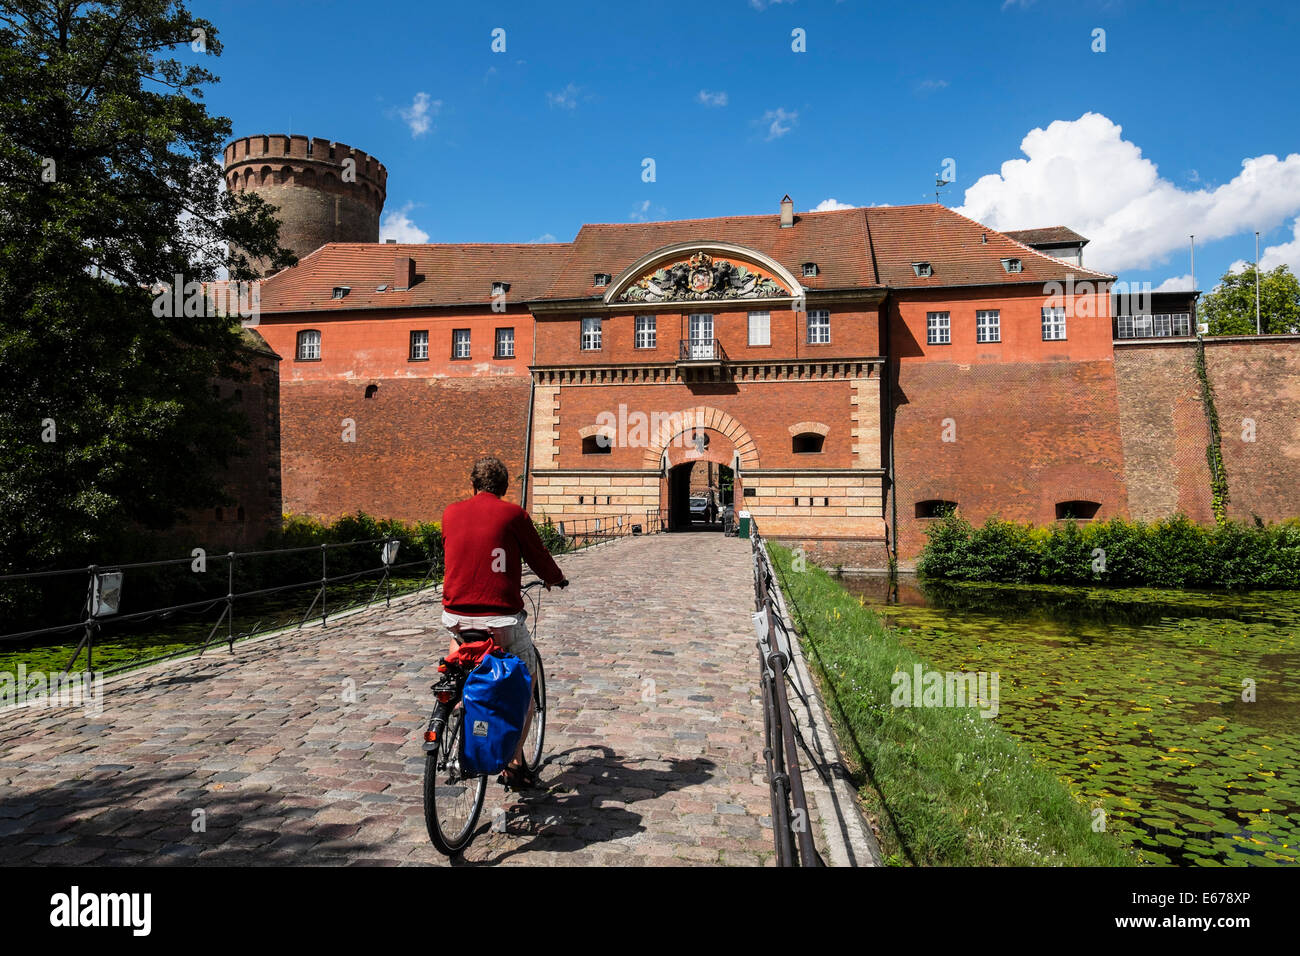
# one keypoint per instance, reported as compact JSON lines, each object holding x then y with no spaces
{"x":1171,"y":553}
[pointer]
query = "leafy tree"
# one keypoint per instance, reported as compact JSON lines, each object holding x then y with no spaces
{"x":110,"y":185}
{"x":1230,"y":308}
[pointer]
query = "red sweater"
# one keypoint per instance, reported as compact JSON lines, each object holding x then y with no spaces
{"x":473,"y":530}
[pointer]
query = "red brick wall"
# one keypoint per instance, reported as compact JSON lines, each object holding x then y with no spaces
{"x":766,"y":409}
{"x":1027,"y":437}
{"x":416,"y":441}
{"x":1164,"y":430}
{"x":1166,"y":433}
{"x":253,"y":479}
{"x":1260,"y":381}
{"x":376,"y":345}
{"x":855,"y":333}
{"x":1088,"y":330}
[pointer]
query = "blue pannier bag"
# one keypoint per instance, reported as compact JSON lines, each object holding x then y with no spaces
{"x":496,"y":697}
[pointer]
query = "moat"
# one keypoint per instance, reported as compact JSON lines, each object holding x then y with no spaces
{"x":1175,"y":712}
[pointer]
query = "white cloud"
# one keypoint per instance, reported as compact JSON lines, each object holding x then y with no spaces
{"x":397,"y":225}
{"x":764,"y":4}
{"x":1175,"y":284}
{"x":544,"y":237}
{"x":826,"y":204}
{"x":779,"y":122}
{"x":713,"y":99}
{"x":1283,"y":254}
{"x":1083,"y":174}
{"x":419,"y":115}
{"x":566,"y":99}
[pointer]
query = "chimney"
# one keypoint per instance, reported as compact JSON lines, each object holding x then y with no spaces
{"x":403,"y":273}
{"x":787,"y":212}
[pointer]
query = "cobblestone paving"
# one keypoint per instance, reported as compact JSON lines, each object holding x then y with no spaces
{"x":654,"y":738}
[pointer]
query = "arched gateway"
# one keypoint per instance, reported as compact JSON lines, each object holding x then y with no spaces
{"x":682,"y":371}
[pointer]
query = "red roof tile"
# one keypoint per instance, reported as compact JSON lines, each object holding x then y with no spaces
{"x":853,"y":248}
{"x":446,"y":274}
{"x":1045,"y":236}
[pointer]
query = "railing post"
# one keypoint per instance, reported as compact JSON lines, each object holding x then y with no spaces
{"x":324,"y":578}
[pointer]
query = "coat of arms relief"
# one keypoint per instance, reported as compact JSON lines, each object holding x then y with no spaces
{"x":702,"y":277}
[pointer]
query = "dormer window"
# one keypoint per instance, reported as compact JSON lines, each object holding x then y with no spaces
{"x":382,"y":288}
{"x":1012,"y":265}
{"x":601,"y":280}
{"x":923,"y":269}
{"x":500,"y":288}
{"x":340,"y":291}
{"x":810,"y":270}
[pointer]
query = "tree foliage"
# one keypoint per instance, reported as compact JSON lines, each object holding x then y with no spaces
{"x":1230,"y":308}
{"x":110,"y":185}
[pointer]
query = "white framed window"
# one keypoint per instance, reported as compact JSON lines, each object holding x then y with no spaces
{"x":460,"y":343}
{"x":819,"y":327}
{"x":647,"y":336}
{"x":1054,"y":323}
{"x":938,"y":328}
{"x":988,"y":325}
{"x":420,"y":345}
{"x":309,"y":345}
{"x":1182,"y":323}
{"x":591,"y":334}
{"x":1124,"y":325}
{"x":505,"y":343}
{"x":760,"y":328}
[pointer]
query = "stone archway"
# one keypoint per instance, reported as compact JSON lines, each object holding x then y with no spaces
{"x":701,"y":417}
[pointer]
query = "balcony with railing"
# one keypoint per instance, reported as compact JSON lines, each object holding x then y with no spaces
{"x":703,"y":353}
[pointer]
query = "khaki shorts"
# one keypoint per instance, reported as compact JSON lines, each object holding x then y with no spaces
{"x":519,"y":643}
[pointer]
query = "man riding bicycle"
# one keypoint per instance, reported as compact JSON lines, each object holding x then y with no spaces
{"x":486,"y":541}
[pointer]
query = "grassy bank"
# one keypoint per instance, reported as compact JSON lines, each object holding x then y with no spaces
{"x":947,"y":786}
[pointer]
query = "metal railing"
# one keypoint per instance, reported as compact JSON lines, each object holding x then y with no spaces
{"x":791,"y":825}
{"x":701,"y":350}
{"x":105,"y":585}
{"x":100,"y":595}
{"x":576,"y":533}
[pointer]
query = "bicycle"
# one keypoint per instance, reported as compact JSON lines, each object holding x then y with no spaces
{"x":453,"y":799}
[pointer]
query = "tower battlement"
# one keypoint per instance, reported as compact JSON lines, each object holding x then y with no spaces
{"x":323,"y":190}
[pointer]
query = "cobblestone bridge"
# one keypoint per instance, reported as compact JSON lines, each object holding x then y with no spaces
{"x":305,"y":748}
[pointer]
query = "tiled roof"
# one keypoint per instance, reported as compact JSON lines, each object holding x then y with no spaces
{"x":853,"y":248}
{"x":1048,"y":235}
{"x":446,"y":274}
{"x":961,"y":251}
{"x":835,"y":240}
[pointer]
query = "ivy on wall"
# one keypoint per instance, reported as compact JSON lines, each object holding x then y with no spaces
{"x":1213,"y":451}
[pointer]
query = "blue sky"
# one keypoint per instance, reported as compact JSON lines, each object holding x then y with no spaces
{"x":1136,"y":146}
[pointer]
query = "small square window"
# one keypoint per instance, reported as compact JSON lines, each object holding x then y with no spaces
{"x":500,"y":288}
{"x":601,"y":280}
{"x":591,"y":334}
{"x":460,"y":344}
{"x":923,"y":269}
{"x":505,"y":343}
{"x":810,"y":270}
{"x":938,"y":328}
{"x":1012,"y":265}
{"x":340,"y":291}
{"x":819,"y":327}
{"x":646,"y":332}
{"x":420,"y":345}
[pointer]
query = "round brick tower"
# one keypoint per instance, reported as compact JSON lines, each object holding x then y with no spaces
{"x":325,"y":191}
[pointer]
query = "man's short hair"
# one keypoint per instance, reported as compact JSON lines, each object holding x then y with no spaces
{"x":490,"y":474}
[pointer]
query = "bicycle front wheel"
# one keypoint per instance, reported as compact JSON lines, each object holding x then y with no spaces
{"x":452,"y":799}
{"x":536,"y":738}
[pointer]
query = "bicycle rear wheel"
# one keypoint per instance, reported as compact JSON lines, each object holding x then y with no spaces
{"x":536,"y":738}
{"x":452,"y":800}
